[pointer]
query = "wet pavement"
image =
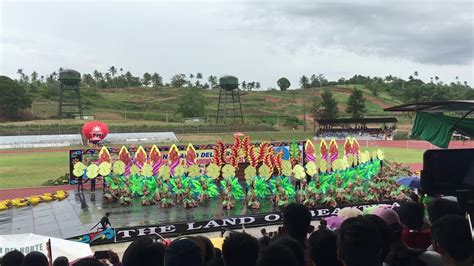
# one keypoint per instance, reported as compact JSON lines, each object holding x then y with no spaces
{"x":78,"y":213}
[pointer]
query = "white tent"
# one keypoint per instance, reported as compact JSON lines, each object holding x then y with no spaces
{"x":30,"y":242}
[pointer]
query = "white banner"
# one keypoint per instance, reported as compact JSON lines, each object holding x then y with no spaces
{"x":26,"y":243}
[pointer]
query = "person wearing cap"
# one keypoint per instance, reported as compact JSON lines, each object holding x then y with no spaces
{"x":400,"y":253}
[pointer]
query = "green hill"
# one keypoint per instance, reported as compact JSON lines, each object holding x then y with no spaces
{"x":159,"y":104}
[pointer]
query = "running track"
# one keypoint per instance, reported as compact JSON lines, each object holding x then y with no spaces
{"x":408,"y":144}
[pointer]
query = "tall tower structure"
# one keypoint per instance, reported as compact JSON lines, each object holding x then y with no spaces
{"x":229,"y":107}
{"x":69,"y":94}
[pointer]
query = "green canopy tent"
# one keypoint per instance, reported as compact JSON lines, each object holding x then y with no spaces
{"x":432,"y":125}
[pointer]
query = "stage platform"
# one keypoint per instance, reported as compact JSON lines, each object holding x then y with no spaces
{"x":74,"y":217}
{"x":78,"y":213}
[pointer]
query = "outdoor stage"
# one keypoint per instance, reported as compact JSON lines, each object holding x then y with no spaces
{"x":76,"y":215}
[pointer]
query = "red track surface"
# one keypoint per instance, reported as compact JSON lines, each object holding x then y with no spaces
{"x":409,"y":144}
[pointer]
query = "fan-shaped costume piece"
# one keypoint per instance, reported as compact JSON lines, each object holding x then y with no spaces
{"x":205,"y":186}
{"x":236,"y":191}
{"x":259,"y":187}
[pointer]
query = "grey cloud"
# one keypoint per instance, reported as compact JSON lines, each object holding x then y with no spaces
{"x":424,"y":32}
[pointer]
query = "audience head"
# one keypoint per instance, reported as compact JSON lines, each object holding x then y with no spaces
{"x":208,"y":251}
{"x":358,"y":242}
{"x":35,"y":258}
{"x":294,"y":246}
{"x":61,"y":261}
{"x":451,"y":237}
{"x":440,"y":207}
{"x":13,"y":258}
{"x":323,"y":248}
{"x":297,"y":221}
{"x":392,"y":219}
{"x":411,"y":215}
{"x":183,"y":252}
{"x":88,"y":262}
{"x":349,"y":212}
{"x":276,"y":255}
{"x":386,"y":233}
{"x":240,"y":249}
{"x":144,"y":251}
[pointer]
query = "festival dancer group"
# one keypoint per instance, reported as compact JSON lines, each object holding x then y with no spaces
{"x":183,"y":182}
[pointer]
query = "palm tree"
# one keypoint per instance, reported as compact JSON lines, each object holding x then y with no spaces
{"x":436,"y":78}
{"x":212,"y":81}
{"x":22,"y":75}
{"x":415,"y":74}
{"x":121,"y":70}
{"x":97,"y":76}
{"x":457,"y":80}
{"x":157,"y":80}
{"x":198,"y":75}
{"x":128,"y":77}
{"x":113,"y":71}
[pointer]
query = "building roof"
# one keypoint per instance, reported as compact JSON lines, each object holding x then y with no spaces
{"x":370,"y":120}
{"x":435,"y":107}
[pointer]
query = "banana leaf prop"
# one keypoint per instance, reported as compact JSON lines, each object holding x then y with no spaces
{"x":212,"y":190}
{"x":237,"y":191}
{"x":294,"y":150}
{"x":285,"y":184}
{"x":260,"y":187}
{"x":136,"y":185}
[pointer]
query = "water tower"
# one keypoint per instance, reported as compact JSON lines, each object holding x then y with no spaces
{"x":229,"y":108}
{"x":69,"y":94}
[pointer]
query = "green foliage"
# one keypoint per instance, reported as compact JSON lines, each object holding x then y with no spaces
{"x":178,"y":80}
{"x":329,"y":105}
{"x":356,"y":104}
{"x":192,"y":104}
{"x":304,"y":82}
{"x":13,"y":97}
{"x":293,"y":121}
{"x":283,"y":83}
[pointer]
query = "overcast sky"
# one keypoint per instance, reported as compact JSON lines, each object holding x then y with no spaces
{"x":258,"y":41}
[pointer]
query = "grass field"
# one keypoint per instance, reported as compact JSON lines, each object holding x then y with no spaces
{"x":32,"y":169}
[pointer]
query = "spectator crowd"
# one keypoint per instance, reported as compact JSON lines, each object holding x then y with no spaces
{"x":364,"y":133}
{"x":382,"y":236}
